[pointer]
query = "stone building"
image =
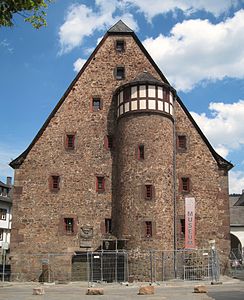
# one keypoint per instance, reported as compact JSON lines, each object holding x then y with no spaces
{"x":117,"y":165}
{"x":237,"y":224}
{"x":5,"y":212}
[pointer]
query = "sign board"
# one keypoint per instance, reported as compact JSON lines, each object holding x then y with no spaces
{"x":190,"y":242}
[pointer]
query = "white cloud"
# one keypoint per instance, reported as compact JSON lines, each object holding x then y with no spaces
{"x":188,"y":7}
{"x":225,"y":127}
{"x":7,"y":154}
{"x":78,"y":64}
{"x":198,"y":50}
{"x":82,"y":21}
{"x":236,"y":182}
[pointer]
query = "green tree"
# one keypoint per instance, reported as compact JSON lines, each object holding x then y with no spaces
{"x":33,"y":11}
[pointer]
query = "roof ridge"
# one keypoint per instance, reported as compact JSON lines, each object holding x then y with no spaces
{"x":120,"y":27}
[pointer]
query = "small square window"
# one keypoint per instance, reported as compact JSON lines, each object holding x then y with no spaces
{"x":120,"y":73}
{"x":54,"y":183}
{"x":108,"y":225}
{"x":69,"y":225}
{"x":120,"y":45}
{"x":100,"y":184}
{"x":148,"y":192}
{"x":181,"y":142}
{"x":96,"y":104}
{"x":185,"y":182}
{"x":70,"y":142}
{"x":3,"y":213}
{"x":182,"y":227}
{"x":148,"y":227}
{"x":141,"y":152}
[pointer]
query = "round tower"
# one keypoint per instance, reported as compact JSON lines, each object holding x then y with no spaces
{"x":144,"y":210}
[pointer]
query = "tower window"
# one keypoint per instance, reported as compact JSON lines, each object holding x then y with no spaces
{"x":100,"y":184}
{"x":69,"y":225}
{"x":141,"y":152}
{"x":108,"y":142}
{"x":181,"y":142}
{"x":166,"y":95}
{"x":54,"y":183}
{"x":120,"y":73}
{"x":148,"y":192}
{"x":108,"y":225}
{"x":70,"y":142}
{"x":120,"y":45}
{"x":1,"y":234}
{"x":96,"y":104}
{"x":148,"y":227}
{"x":185,"y":184}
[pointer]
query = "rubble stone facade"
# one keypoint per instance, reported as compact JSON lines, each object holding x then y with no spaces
{"x":109,"y":162}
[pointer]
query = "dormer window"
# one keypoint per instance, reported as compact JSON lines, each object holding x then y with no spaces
{"x":120,"y":45}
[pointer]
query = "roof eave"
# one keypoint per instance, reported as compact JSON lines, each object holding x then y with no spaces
{"x":222,"y":163}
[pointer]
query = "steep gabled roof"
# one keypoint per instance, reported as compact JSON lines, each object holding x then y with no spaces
{"x":119,"y":28}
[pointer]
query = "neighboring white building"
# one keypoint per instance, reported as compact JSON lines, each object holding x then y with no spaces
{"x":237,"y":223}
{"x":5,"y":211}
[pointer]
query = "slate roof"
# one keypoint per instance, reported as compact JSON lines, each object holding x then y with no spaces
{"x":120,"y":29}
{"x":240,"y":201}
{"x":146,"y":77}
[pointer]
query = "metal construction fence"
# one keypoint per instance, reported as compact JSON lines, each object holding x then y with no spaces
{"x":117,"y":266}
{"x":237,"y":262}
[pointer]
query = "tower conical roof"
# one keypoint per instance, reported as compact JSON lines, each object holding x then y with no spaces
{"x":146,"y":77}
{"x":120,"y":27}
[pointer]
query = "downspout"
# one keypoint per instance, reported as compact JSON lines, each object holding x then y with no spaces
{"x":174,"y":193}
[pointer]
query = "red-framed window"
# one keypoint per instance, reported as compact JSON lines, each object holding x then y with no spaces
{"x":148,"y":229}
{"x":108,"y":225}
{"x":141,"y":152}
{"x":148,"y":191}
{"x":100,"y":184}
{"x":185,"y":184}
{"x":54,"y":183}
{"x":69,"y":225}
{"x":181,"y":142}
{"x":182,"y":227}
{"x":70,"y":141}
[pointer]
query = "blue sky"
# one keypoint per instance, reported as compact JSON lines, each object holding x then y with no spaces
{"x":198,"y":45}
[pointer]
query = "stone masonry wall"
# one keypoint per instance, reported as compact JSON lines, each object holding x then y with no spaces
{"x":36,"y":210}
{"x":209,"y":187}
{"x":155,"y":132}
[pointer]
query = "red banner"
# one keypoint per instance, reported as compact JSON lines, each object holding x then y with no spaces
{"x":190,"y":242}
